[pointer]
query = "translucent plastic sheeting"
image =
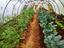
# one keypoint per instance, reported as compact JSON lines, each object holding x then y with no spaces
{"x":58,"y":5}
{"x":14,"y":7}
{"x":10,"y":8}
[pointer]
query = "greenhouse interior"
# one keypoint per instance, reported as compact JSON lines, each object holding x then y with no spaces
{"x":31,"y":23}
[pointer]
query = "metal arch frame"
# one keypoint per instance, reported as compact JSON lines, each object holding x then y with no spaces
{"x":5,"y":9}
{"x":57,"y":6}
{"x":61,"y":3}
{"x":52,"y":4}
{"x":19,"y":6}
{"x":48,"y":2}
{"x":14,"y":7}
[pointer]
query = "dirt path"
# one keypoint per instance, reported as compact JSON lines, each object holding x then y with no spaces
{"x":33,"y":35}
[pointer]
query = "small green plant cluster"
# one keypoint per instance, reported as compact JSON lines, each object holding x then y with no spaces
{"x":10,"y":31}
{"x":51,"y":37}
{"x":60,"y":24}
{"x":26,"y":16}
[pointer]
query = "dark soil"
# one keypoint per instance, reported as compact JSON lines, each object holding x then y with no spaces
{"x":33,"y":36}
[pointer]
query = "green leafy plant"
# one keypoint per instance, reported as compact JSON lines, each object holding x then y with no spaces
{"x":59,"y":24}
{"x":10,"y":31}
{"x":51,"y":37}
{"x":26,"y":16}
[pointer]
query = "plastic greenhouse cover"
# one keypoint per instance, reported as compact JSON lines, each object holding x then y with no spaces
{"x":12,"y":3}
{"x":9,"y":8}
{"x":15,"y":6}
